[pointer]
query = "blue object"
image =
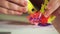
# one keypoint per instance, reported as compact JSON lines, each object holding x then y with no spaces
{"x":30,"y":18}
{"x":47,"y":24}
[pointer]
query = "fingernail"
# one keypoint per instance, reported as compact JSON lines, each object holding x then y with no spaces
{"x":18,"y":13}
{"x":49,"y":6}
{"x":24,"y":9}
{"x":25,"y":3}
{"x":21,"y":9}
{"x":45,"y":14}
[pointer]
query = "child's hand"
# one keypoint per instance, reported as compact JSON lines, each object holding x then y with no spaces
{"x":13,"y":7}
{"x":51,"y":7}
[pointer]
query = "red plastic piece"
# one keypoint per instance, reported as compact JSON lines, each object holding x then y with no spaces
{"x":37,"y":18}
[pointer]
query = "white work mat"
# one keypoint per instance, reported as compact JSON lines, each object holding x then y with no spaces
{"x":28,"y":29}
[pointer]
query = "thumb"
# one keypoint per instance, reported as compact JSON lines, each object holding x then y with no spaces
{"x":51,"y":7}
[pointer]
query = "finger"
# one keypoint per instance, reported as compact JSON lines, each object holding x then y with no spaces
{"x":51,"y":8}
{"x":4,"y":3}
{"x":18,"y":13}
{"x":23,"y":9}
{"x":51,"y":3}
{"x":16,"y":7}
{"x":26,"y":9}
{"x":19,"y":2}
{"x":11,"y":6}
{"x":59,"y":2}
{"x":3,"y":10}
{"x":11,"y":12}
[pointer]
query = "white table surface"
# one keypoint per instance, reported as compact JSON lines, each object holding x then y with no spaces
{"x":28,"y":29}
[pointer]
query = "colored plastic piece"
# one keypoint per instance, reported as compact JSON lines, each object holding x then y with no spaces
{"x":47,"y":24}
{"x":37,"y":17}
{"x":51,"y":18}
{"x":30,"y":7}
